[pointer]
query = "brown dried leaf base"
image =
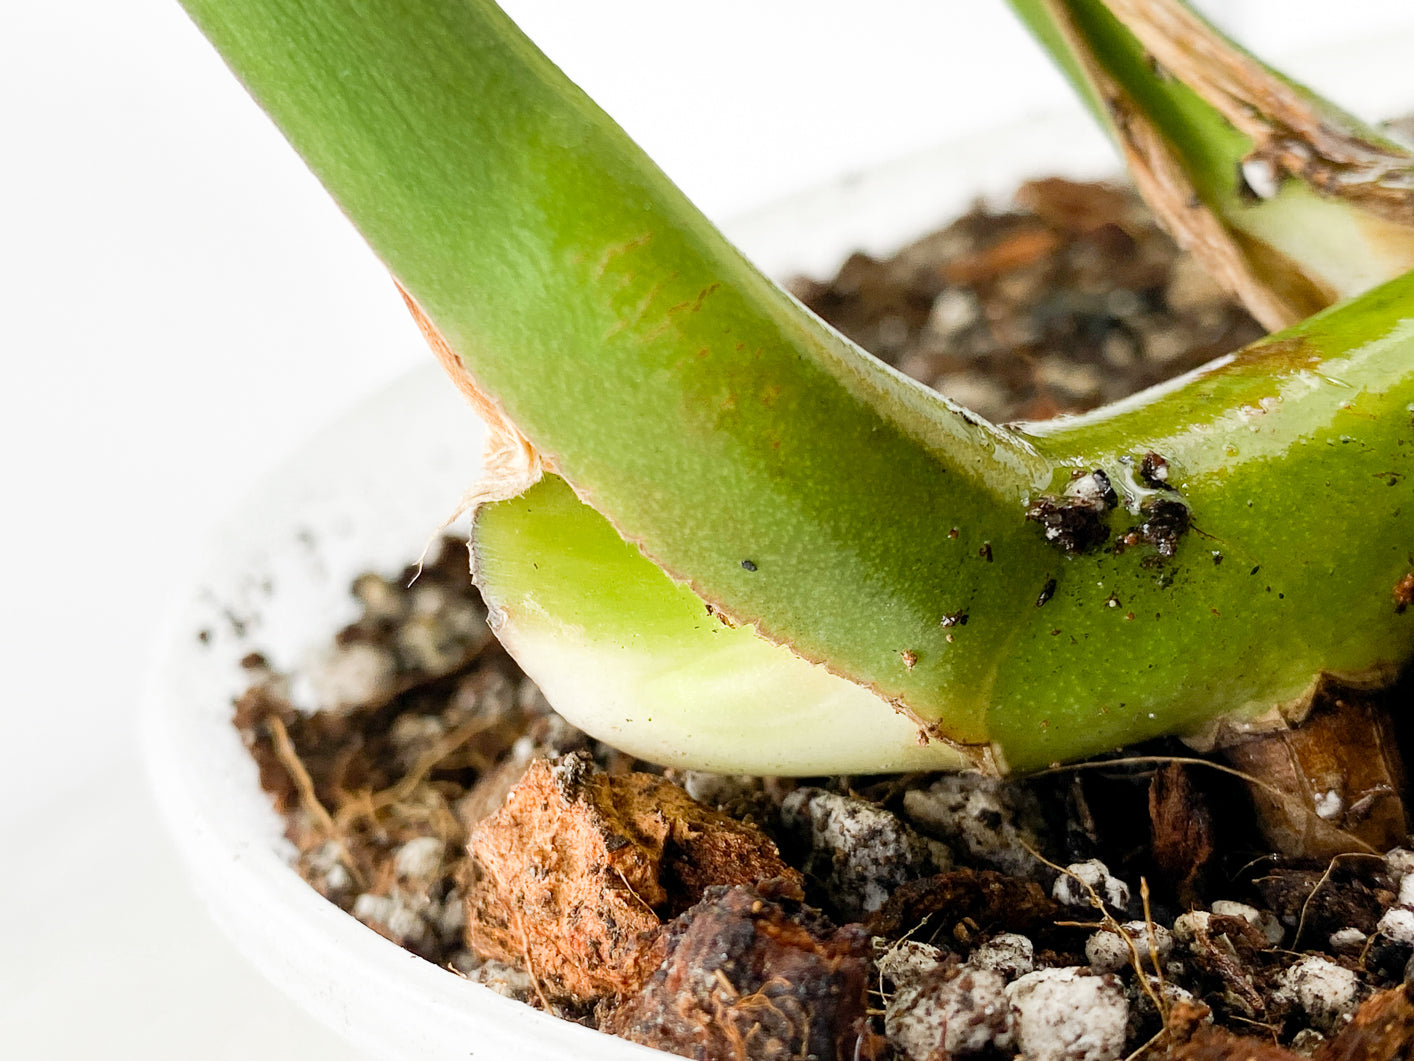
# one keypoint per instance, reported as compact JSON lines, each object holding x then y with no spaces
{"x":1334,"y":784}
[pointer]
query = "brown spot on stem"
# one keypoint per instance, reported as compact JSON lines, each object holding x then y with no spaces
{"x":1404,"y":593}
{"x":1292,"y":135}
{"x":512,"y":463}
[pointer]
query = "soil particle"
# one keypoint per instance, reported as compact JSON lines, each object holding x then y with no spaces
{"x":857,"y":851}
{"x":1382,"y":1030}
{"x":749,"y":975}
{"x":985,"y":899}
{"x":1071,"y":525}
{"x":1406,"y":891}
{"x":1399,"y":863}
{"x":905,"y":962}
{"x":1327,"y":992}
{"x":507,"y":980}
{"x":1217,"y":1044}
{"x":1325,"y":900}
{"x":349,"y":676}
{"x":1166,"y":521}
{"x":1075,"y":521}
{"x":745,"y":798}
{"x":1087,"y":313}
{"x":1106,"y":952}
{"x":1110,"y":952}
{"x":1226,"y":952}
{"x":984,"y":818}
{"x":1403,"y":593}
{"x":1069,"y":1015}
{"x":951,"y":1011}
{"x":1083,"y":882}
{"x":1348,"y":941}
{"x":1397,"y":924}
{"x":1007,"y":953}
{"x":577,"y":864}
{"x":1154,"y":471}
{"x":1263,"y":920}
{"x":1047,"y":592}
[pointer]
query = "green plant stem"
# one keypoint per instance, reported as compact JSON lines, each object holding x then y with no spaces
{"x":794,"y":482}
{"x":1328,"y":211}
{"x":796,"y":485}
{"x":1294,"y":459}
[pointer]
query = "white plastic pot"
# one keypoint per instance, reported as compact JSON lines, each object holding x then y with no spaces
{"x":367,"y":494}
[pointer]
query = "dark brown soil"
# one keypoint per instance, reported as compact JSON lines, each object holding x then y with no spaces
{"x":919,"y":917}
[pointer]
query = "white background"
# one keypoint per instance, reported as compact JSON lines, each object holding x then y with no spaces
{"x":179,"y":306}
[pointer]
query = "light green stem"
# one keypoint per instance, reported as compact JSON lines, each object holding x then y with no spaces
{"x":793,"y":482}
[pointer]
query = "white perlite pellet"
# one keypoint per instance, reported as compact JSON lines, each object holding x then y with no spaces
{"x":1228,"y":908}
{"x":1398,"y":924}
{"x":718,"y":790}
{"x":1399,"y":863}
{"x":420,"y":859}
{"x":950,"y":1012}
{"x":1264,"y":920}
{"x":1189,"y":927}
{"x":975,"y":814}
{"x":344,"y":677}
{"x":394,"y":913}
{"x":1328,"y":805}
{"x":953,"y":311}
{"x":325,"y":862}
{"x":1107,"y":951}
{"x":1327,"y":992}
{"x":451,"y":921}
{"x":1070,"y":887}
{"x":860,"y":851}
{"x":1406,"y":890}
{"x":503,"y":979}
{"x":1069,"y":1015}
{"x":1348,"y":941}
{"x":906,"y":962}
{"x":1007,"y":953}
